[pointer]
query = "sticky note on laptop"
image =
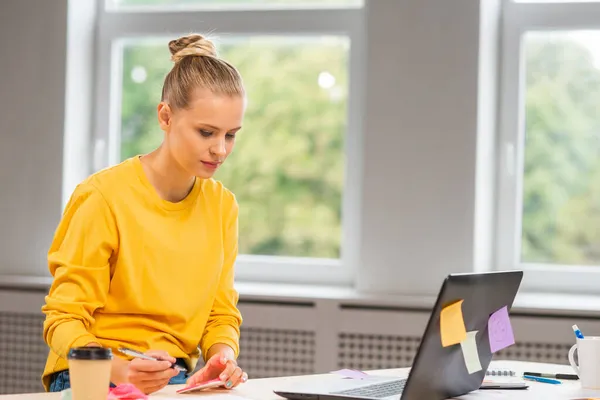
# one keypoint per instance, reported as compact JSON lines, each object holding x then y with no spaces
{"x":452,"y":325}
{"x":470,"y":352}
{"x":500,"y":330}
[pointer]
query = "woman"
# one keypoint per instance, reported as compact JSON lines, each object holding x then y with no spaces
{"x":144,"y":254}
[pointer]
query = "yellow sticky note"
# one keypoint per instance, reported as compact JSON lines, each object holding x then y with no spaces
{"x":470,"y":352}
{"x":452,"y":325}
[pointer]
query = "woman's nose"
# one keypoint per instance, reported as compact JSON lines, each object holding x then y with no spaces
{"x":219,"y":149}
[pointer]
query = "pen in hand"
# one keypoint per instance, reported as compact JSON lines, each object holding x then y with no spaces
{"x":143,"y":356}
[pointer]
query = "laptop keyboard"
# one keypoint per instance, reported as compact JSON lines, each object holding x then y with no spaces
{"x":376,"y":390}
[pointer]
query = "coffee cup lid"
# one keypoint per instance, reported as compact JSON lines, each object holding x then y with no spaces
{"x":90,"y":353}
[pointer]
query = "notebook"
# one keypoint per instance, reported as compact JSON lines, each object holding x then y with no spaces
{"x":502,"y":378}
{"x":500,"y":372}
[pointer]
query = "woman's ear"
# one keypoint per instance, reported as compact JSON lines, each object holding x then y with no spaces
{"x":164,"y":116}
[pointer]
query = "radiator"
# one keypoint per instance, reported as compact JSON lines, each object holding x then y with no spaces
{"x":288,"y":339}
{"x":22,"y":353}
{"x":276,"y":352}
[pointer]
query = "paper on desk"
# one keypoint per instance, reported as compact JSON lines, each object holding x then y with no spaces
{"x":536,"y":391}
{"x":351,"y":373}
{"x":452,"y":325}
{"x":470,"y":353}
{"x":500,"y":330}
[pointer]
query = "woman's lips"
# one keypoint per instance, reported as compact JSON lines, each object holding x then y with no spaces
{"x":211,"y":165}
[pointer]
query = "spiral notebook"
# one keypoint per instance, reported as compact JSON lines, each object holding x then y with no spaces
{"x":503,"y":378}
{"x":500,"y":372}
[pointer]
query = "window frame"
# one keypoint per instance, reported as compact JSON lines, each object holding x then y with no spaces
{"x":113,"y":26}
{"x":518,"y":18}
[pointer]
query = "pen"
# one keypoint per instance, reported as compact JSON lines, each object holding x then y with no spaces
{"x":577,"y":332}
{"x":541,"y":379}
{"x":137,"y":354}
{"x":555,"y":376}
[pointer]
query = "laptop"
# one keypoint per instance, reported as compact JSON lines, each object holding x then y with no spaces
{"x":437,"y":372}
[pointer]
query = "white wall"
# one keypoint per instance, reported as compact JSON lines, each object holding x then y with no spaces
{"x":420,"y":142}
{"x":32,"y":91}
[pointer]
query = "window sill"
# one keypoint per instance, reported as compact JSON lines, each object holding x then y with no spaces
{"x":525,"y":304}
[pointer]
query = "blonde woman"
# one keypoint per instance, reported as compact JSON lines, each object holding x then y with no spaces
{"x":144,"y":254}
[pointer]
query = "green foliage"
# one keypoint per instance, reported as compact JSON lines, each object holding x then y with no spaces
{"x":561,"y":189}
{"x":288,"y":163}
{"x":287,"y":168}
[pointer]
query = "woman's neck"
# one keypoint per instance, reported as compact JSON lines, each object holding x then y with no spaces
{"x":171,"y":182}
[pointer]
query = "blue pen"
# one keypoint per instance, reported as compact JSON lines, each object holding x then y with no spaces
{"x":577,"y":332}
{"x":542,"y":379}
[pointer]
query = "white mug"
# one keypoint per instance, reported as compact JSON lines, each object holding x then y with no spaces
{"x":588,"y":354}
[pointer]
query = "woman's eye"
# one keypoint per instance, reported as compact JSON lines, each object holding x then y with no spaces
{"x":205,"y":133}
{"x":230,"y":136}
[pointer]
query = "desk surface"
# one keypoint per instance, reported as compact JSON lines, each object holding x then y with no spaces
{"x":262,"y":389}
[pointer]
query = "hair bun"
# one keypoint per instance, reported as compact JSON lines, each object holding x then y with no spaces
{"x":191,"y":45}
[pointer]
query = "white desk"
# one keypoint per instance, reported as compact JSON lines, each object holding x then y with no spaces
{"x":262,"y":389}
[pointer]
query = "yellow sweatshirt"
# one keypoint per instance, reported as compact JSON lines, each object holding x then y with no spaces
{"x":131,"y":269}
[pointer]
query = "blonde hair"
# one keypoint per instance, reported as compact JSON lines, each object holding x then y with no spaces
{"x":197,"y":65}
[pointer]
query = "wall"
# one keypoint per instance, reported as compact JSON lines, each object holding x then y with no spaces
{"x":422,"y":102}
{"x":32,"y":83}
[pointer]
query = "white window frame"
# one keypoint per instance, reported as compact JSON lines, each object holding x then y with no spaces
{"x":113,"y":26}
{"x":519,"y":18}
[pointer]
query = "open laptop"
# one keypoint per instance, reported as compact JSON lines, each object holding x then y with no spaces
{"x":437,"y":372}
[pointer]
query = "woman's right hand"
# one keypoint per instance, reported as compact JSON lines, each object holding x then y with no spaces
{"x":147,"y":375}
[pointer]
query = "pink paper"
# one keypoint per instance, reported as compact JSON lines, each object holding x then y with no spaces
{"x":500,"y":330}
{"x":351,"y":373}
{"x":126,"y":391}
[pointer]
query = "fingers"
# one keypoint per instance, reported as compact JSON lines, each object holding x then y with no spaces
{"x":235,"y":378}
{"x":167,"y":374}
{"x":149,"y":365}
{"x":233,"y":375}
{"x":199,"y":376}
{"x":150,"y":376}
{"x":161,"y":355}
{"x":228,"y":371}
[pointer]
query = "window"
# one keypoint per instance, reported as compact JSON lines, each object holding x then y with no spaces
{"x":289,"y":167}
{"x":549,"y":219}
{"x":166,"y":5}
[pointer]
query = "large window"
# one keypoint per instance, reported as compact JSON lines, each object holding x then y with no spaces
{"x":549,"y":219}
{"x":290,"y":169}
{"x":170,"y":5}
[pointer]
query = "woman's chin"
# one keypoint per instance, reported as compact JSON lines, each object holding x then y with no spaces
{"x":203,"y":174}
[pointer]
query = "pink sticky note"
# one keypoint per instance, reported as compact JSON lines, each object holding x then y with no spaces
{"x":500,"y":331}
{"x":350,"y":373}
{"x":126,"y":391}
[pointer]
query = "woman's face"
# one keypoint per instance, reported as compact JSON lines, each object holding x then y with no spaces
{"x":201,"y":136}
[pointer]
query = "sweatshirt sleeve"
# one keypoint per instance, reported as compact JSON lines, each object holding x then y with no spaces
{"x":79,"y":261}
{"x":224,"y":322}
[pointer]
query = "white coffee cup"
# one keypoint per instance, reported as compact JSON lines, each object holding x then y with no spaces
{"x":588,"y":355}
{"x":89,"y":372}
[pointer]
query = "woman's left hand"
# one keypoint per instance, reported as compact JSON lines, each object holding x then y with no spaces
{"x":220,"y":367}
